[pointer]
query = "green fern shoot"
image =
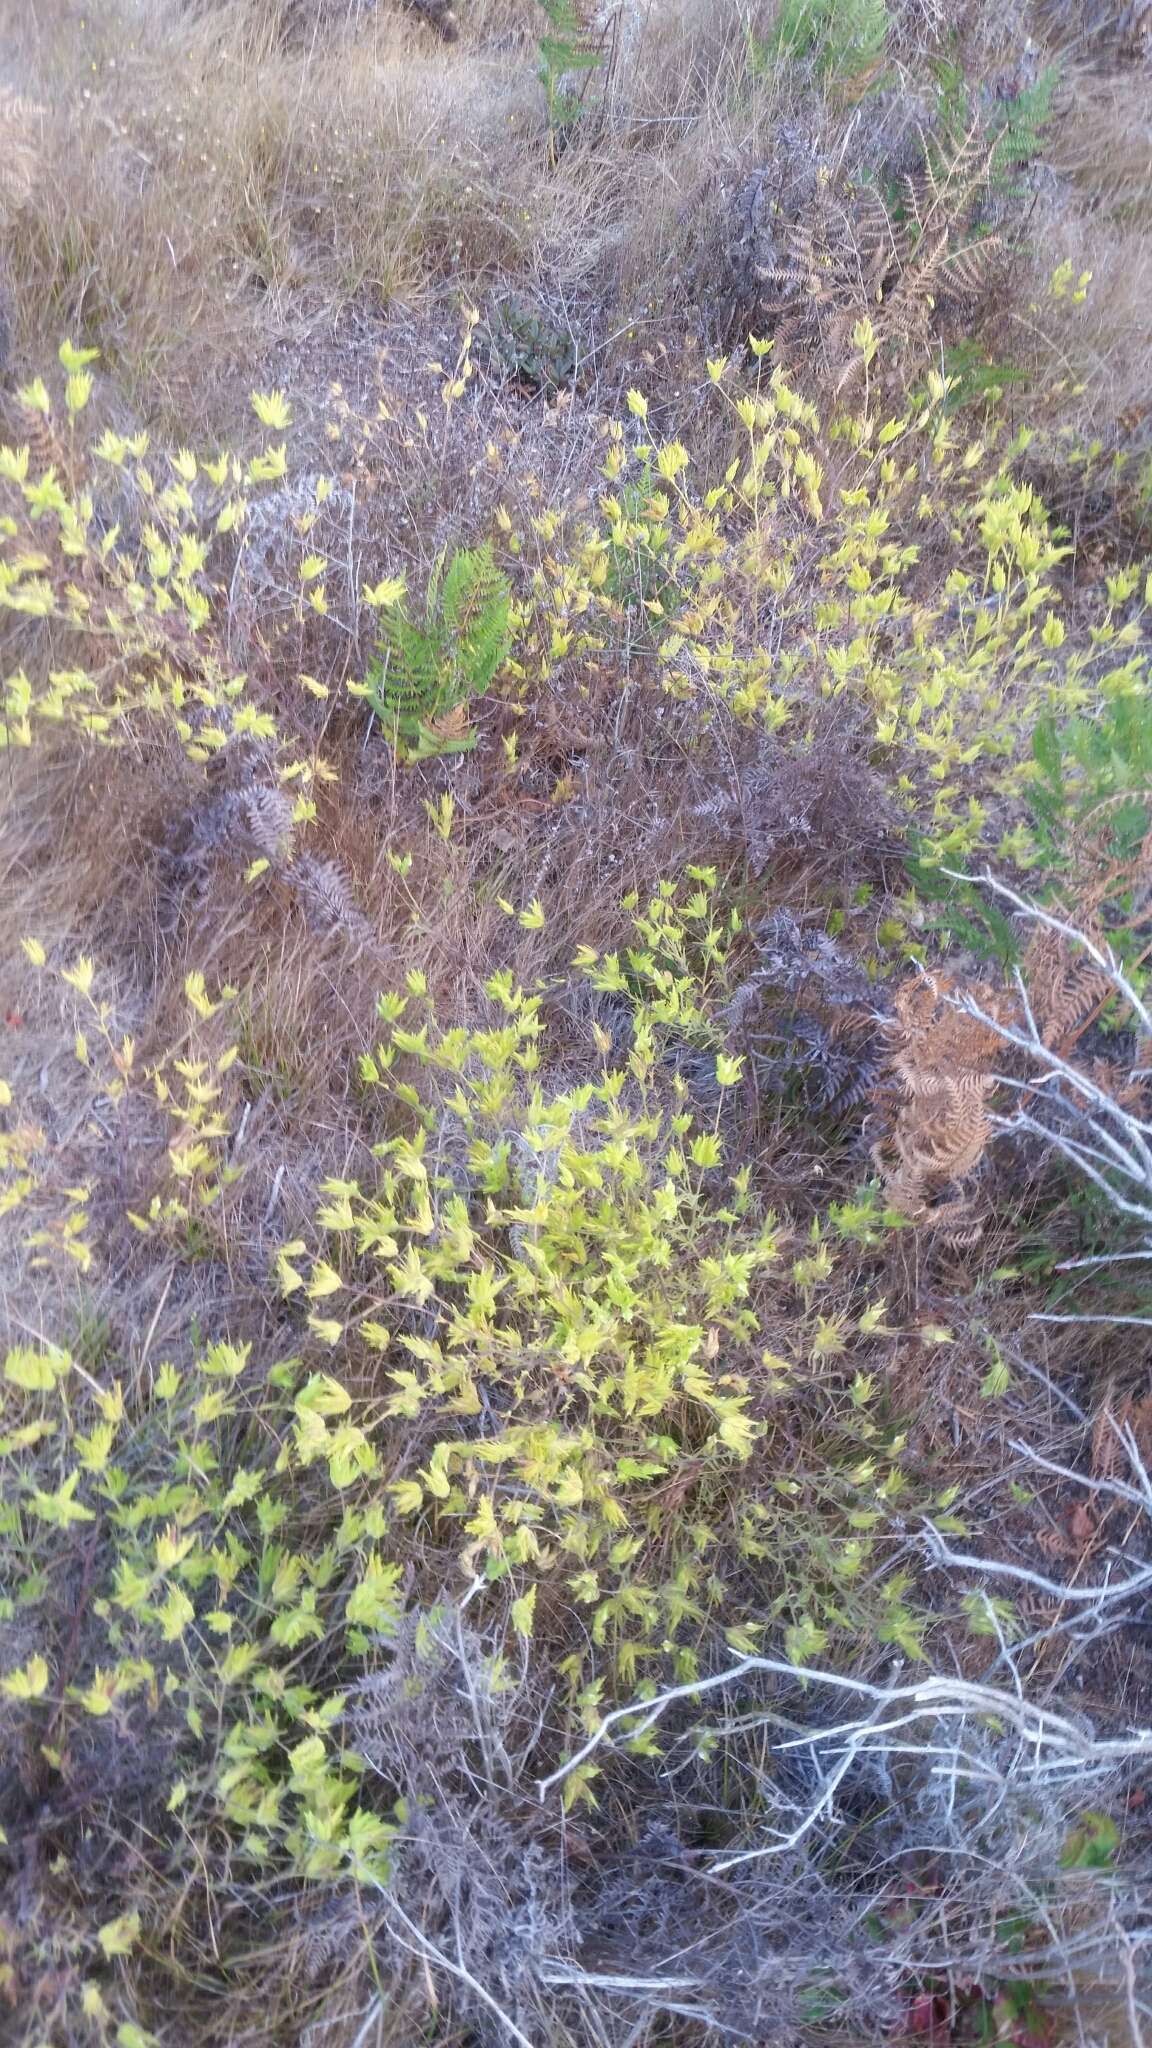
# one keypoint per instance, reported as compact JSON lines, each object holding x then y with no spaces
{"x":571,"y":49}
{"x":427,"y":673}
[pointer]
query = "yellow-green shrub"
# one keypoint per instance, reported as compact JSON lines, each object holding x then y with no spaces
{"x":228,"y":1586}
{"x":897,"y":564}
{"x":589,"y":1336}
{"x":111,"y":557}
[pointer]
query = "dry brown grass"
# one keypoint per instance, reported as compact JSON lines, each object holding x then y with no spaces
{"x":1099,"y":218}
{"x":204,"y":190}
{"x":21,"y":151}
{"x":200,"y":184}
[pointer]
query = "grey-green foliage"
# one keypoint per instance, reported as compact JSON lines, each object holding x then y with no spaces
{"x":843,"y":39}
{"x":427,"y":669}
{"x":529,"y":347}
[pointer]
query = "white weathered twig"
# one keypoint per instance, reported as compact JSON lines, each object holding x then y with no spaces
{"x":781,"y":1844}
{"x":429,"y":1951}
{"x":1102,"y":1259}
{"x":938,"y":1697}
{"x":1084,"y":1595}
{"x":1104,"y":957}
{"x":1044,"y":1379}
{"x":1138,"y":1496}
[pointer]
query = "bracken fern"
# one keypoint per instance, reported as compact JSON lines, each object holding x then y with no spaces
{"x":428,"y":673}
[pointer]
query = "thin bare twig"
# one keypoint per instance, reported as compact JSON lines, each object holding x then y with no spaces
{"x":998,"y":1568}
{"x":430,"y":1950}
{"x":936,"y":1696}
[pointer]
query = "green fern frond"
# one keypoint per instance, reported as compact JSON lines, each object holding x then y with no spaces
{"x":564,"y":17}
{"x":1019,"y":125}
{"x":843,"y":38}
{"x":575,"y":45}
{"x":426,"y":672}
{"x":476,"y":610}
{"x":1012,"y":129}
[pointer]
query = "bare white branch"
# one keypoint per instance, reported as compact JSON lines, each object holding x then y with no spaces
{"x":1101,"y":1259}
{"x":1083,"y":1595}
{"x":430,"y":1951}
{"x":1132,"y":1322}
{"x":1103,"y":956}
{"x":936,"y":1698}
{"x":1140,"y":1497}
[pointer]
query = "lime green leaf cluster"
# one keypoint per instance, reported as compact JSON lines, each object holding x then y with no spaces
{"x":906,"y":567}
{"x":567,"y":1291}
{"x":215,"y":1604}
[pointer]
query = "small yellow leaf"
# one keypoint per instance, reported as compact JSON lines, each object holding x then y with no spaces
{"x":78,"y":391}
{"x":286,"y":1272}
{"x":129,"y":2035}
{"x":325,"y":1280}
{"x":197,"y":994}
{"x":272,"y":409}
{"x":408,"y":1495}
{"x":81,"y":976}
{"x":72,"y":358}
{"x":387,"y":592}
{"x":35,"y":397}
{"x":118,"y":1937}
{"x":29,"y":1683}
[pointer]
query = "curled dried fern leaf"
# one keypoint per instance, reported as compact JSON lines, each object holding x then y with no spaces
{"x":940,"y":1077}
{"x":21,"y":150}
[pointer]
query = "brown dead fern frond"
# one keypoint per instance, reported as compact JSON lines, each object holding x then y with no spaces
{"x":254,"y":819}
{"x":816,"y":253}
{"x":940,"y":209}
{"x":21,"y":151}
{"x":267,"y":818}
{"x":1113,"y":1421}
{"x":832,"y":265}
{"x":936,"y":1094}
{"x":1066,"y":989}
{"x":325,"y":895}
{"x":48,"y":451}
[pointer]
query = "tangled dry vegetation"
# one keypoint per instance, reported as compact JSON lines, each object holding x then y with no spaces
{"x":575,"y":1139}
